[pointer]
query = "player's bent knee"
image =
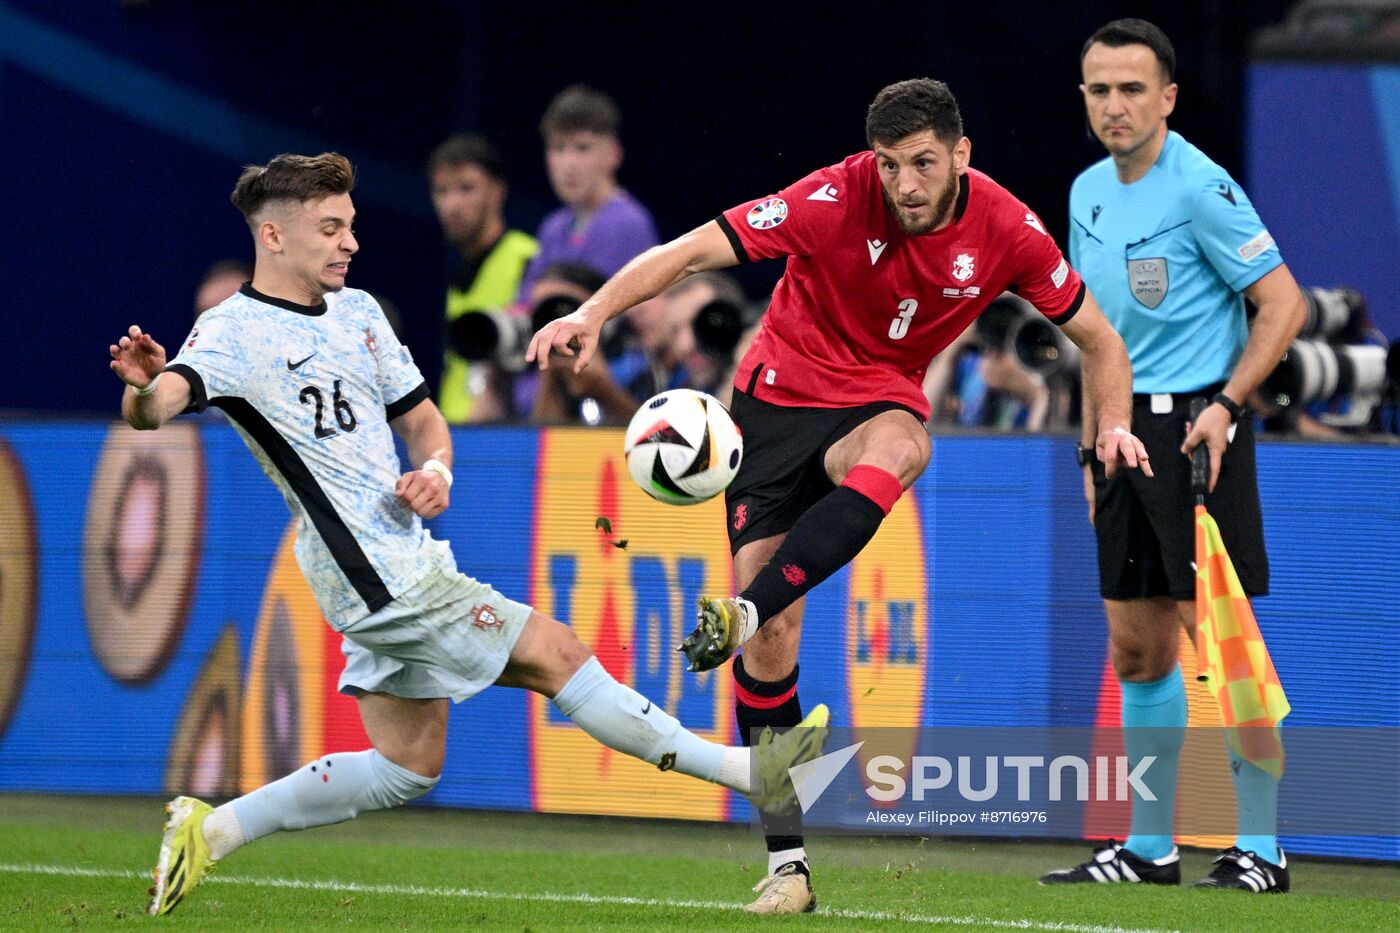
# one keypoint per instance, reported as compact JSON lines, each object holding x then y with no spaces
{"x":545,"y":657}
{"x":395,"y":785}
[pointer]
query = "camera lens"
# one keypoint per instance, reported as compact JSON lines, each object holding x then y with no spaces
{"x":717,"y":327}
{"x":551,"y":308}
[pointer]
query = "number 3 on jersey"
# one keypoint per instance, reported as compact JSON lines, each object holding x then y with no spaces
{"x":900,"y":325}
{"x":344,"y":414}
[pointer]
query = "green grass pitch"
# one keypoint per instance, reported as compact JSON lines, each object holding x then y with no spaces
{"x":83,"y":863}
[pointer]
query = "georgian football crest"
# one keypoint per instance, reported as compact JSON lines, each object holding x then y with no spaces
{"x":964,"y":264}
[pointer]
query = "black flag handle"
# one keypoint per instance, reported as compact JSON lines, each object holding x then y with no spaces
{"x":1200,"y":457}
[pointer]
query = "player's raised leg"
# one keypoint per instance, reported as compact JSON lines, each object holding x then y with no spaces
{"x":871,"y":467}
{"x":549,"y":659}
{"x":409,"y":741}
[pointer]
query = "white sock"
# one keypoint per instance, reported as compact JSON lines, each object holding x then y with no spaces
{"x":777,"y":860}
{"x":223,"y":832}
{"x":734,"y":770}
{"x":623,"y":719}
{"x":331,"y":789}
{"x":748,"y":614}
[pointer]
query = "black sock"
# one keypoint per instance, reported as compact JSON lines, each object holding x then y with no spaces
{"x":826,"y":538}
{"x":759,"y":703}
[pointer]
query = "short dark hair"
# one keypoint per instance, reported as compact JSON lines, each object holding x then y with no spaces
{"x":292,"y":178}
{"x":1123,"y":32}
{"x":580,"y":108}
{"x":467,"y":149}
{"x":576,"y":273}
{"x":908,"y":107}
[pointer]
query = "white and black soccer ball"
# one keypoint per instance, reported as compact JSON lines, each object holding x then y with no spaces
{"x":682,"y":447}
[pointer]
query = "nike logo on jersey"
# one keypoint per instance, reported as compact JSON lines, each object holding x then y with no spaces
{"x":876,"y":248}
{"x":648,"y":708}
{"x":1094,"y":214}
{"x":1034,"y":223}
{"x":297,"y":365}
{"x":824,"y":193}
{"x":1226,"y":192}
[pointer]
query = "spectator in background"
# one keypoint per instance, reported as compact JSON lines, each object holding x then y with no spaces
{"x":600,"y":224}
{"x":468,"y":185}
{"x":220,"y":281}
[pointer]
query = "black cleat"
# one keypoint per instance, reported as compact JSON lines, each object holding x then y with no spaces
{"x":1116,"y":864}
{"x":1238,"y":870}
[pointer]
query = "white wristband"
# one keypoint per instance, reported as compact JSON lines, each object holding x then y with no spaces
{"x":440,"y":468}
{"x":148,"y":388}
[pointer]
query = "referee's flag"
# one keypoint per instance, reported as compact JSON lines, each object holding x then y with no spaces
{"x":1231,"y":655}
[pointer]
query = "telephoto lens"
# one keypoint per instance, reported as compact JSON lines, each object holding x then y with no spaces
{"x":1312,"y":370}
{"x":718,"y":326}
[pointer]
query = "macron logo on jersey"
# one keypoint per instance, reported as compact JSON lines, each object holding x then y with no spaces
{"x":876,"y":248}
{"x":824,"y":193}
{"x":1033,"y":222}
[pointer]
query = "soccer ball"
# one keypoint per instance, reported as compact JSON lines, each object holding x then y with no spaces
{"x":682,"y":447}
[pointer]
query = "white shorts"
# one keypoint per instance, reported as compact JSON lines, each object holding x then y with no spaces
{"x":447,"y":636}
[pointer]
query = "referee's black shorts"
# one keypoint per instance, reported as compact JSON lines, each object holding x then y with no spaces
{"x":1146,"y":527}
{"x":783,"y":472}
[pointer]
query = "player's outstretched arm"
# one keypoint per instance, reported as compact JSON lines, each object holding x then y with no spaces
{"x":1108,"y":387}
{"x":152,"y":396}
{"x":424,"y":489}
{"x":704,"y":248}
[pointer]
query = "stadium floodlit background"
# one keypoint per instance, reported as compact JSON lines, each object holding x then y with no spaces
{"x":124,"y":126}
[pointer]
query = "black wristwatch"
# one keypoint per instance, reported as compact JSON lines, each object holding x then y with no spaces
{"x":1085,"y":455}
{"x":1229,"y":404}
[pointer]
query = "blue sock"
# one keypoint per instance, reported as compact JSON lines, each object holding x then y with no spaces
{"x":623,"y":719}
{"x":331,"y":789}
{"x":1256,"y":799}
{"x":1154,"y":723}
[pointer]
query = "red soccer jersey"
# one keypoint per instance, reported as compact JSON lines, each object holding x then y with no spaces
{"x":863,"y":307}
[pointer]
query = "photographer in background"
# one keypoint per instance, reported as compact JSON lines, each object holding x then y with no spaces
{"x":1332,"y":381}
{"x":687,"y":336}
{"x":1010,"y":371}
{"x":469,"y":194}
{"x":557,"y":395}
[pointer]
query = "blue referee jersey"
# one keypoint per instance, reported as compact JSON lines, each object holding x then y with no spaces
{"x":1167,"y":258}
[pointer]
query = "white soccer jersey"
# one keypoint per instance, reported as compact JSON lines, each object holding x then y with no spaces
{"x":312,"y":391}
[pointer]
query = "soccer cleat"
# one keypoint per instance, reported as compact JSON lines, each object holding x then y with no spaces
{"x":776,"y":752}
{"x":184,"y":854}
{"x":787,"y":891}
{"x":1116,"y":864}
{"x":1238,"y":870}
{"x":722,"y":625}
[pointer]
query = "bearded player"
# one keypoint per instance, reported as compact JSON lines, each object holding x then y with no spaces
{"x":890,"y":255}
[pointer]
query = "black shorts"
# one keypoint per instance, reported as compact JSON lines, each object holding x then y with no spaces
{"x":1146,"y":528}
{"x":782,"y":473}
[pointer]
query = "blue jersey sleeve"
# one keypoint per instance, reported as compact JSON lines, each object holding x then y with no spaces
{"x":1230,"y":234}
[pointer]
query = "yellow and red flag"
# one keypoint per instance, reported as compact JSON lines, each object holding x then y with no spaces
{"x":1231,"y":655}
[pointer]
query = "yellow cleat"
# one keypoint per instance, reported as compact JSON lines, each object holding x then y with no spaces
{"x":184,"y":854}
{"x":776,"y":752}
